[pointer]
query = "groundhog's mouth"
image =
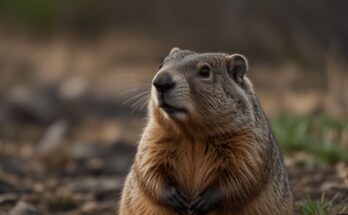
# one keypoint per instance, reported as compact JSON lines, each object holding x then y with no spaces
{"x":170,"y":109}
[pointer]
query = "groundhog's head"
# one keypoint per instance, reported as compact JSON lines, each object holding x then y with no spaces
{"x":211,"y":87}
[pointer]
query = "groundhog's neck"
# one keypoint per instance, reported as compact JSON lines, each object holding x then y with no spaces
{"x":192,"y":156}
{"x":191,"y":129}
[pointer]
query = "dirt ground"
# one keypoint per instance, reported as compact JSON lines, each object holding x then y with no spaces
{"x":78,"y":168}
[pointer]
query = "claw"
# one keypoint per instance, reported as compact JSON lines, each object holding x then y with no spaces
{"x":206,"y":201}
{"x":173,"y":198}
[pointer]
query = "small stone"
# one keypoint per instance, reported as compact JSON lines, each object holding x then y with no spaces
{"x":8,"y":198}
{"x":39,"y":188}
{"x":53,"y":137}
{"x":98,"y":185}
{"x":73,"y":88}
{"x":85,"y":150}
{"x":89,"y":207}
{"x":28,"y":105}
{"x":23,"y":208}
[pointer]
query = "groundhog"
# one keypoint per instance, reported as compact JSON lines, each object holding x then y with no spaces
{"x":207,"y":147}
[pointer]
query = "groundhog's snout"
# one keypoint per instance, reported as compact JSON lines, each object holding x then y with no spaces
{"x":163,"y":82}
{"x":169,"y":97}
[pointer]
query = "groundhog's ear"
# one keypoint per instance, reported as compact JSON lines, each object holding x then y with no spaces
{"x":237,"y":65}
{"x":175,"y":49}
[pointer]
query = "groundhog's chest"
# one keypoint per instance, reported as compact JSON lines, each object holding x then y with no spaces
{"x":194,"y":166}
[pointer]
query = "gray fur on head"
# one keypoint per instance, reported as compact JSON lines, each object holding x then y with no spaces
{"x":225,"y":96}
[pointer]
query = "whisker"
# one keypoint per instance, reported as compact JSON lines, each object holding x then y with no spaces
{"x":140,"y":104}
{"x":136,"y":86}
{"x":135,"y":97}
{"x":139,"y":99}
{"x":145,"y":103}
{"x":136,"y":103}
{"x":139,"y":85}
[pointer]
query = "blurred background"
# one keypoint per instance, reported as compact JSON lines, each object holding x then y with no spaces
{"x":73,"y":76}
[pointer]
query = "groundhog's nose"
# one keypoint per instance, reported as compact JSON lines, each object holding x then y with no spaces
{"x":164,"y":82}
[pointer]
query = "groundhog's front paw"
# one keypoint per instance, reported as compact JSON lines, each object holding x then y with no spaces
{"x":175,"y":199}
{"x":206,"y":201}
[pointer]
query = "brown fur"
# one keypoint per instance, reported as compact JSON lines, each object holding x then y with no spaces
{"x":244,"y":162}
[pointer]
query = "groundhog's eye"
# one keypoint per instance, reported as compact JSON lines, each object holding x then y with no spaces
{"x":160,"y":66}
{"x":205,"y":72}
